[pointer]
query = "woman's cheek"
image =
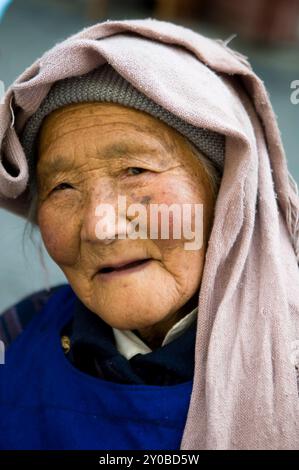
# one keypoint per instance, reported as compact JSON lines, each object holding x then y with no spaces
{"x":59,"y":234}
{"x":170,"y":191}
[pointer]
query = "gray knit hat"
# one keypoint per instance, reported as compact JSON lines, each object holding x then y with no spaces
{"x":104,"y":84}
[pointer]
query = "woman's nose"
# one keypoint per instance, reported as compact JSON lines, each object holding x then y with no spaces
{"x":102,"y":221}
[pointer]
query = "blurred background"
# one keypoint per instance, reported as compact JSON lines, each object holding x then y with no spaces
{"x":267,"y":33}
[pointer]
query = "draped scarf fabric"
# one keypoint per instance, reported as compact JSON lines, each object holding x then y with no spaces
{"x":245,"y":393}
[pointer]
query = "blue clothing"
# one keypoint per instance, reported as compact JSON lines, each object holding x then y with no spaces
{"x":91,"y":348}
{"x":46,"y":403}
{"x":16,"y":318}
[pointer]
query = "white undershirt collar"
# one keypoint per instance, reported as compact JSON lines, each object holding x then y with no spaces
{"x":129,"y":344}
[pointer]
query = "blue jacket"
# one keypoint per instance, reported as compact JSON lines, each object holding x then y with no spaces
{"x":60,"y":407}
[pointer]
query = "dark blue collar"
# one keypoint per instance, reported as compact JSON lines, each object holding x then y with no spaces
{"x":94,"y":352}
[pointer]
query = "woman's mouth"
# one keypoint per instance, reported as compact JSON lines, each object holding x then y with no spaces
{"x":115,"y":271}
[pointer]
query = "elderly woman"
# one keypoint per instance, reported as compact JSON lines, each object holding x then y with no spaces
{"x":173,"y":332}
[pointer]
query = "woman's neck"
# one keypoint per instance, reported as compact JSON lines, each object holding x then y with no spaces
{"x":154,"y":335}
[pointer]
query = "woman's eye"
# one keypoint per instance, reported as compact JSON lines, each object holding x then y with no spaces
{"x":62,"y":186}
{"x":134,"y":170}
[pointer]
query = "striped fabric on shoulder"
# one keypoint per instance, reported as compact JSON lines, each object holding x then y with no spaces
{"x":15,"y":319}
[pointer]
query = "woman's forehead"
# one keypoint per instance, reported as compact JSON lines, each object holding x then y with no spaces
{"x":75,"y":116}
{"x":113,"y":131}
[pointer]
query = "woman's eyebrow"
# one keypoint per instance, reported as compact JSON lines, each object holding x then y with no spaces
{"x":57,"y":164}
{"x":119,"y":149}
{"x":115,"y":150}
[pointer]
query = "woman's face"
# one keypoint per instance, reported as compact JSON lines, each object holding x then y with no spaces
{"x":89,"y":155}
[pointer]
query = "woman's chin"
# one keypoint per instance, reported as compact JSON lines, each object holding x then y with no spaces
{"x":133,"y":314}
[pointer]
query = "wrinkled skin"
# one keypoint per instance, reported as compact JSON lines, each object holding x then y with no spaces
{"x":78,"y":137}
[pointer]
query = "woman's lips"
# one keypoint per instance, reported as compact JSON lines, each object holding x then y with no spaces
{"x":112,"y":272}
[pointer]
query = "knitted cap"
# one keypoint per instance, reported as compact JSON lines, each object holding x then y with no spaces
{"x":104,"y":84}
